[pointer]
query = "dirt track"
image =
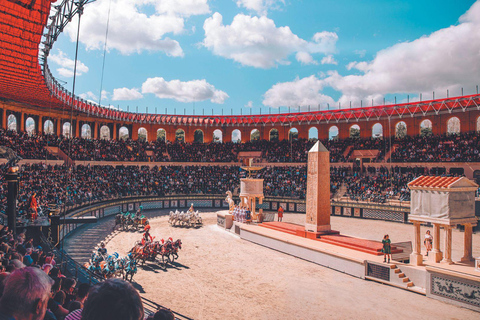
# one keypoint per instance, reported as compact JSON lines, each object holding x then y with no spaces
{"x":219,"y":276}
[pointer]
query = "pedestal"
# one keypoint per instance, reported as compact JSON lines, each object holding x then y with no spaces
{"x":416,"y":259}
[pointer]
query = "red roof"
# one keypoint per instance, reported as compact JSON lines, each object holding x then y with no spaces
{"x":433,"y":182}
{"x":22,"y":24}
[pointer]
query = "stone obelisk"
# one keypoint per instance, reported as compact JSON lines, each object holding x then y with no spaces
{"x":318,"y":191}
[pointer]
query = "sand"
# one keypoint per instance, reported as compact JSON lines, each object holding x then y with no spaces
{"x":220,"y":276}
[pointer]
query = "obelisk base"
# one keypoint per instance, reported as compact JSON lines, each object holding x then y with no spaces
{"x":313,"y":231}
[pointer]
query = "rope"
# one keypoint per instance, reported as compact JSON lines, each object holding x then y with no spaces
{"x":104,"y":54}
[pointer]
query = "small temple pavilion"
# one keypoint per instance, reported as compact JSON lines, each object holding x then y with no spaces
{"x":445,"y":202}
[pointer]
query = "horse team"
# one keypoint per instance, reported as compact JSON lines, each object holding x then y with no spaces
{"x":190,"y":218}
{"x":110,"y":266}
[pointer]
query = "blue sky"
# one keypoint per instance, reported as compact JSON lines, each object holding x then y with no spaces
{"x":243,"y":56}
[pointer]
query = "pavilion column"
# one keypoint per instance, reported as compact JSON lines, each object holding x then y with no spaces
{"x":59,"y":127}
{"x":252,"y":204}
{"x":114,"y":132}
{"x":40,"y":125}
{"x":467,"y":243}
{"x":4,"y":118}
{"x":260,"y":202}
{"x":95,"y":130}
{"x":448,"y":245}
{"x":436,"y":255}
{"x":416,"y":257}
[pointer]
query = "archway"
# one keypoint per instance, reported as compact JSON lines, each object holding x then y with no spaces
{"x":123,"y":133}
{"x":273,"y":135}
{"x":478,"y":124}
{"x":333,"y":133}
{"x":313,"y":133}
{"x":67,"y":130}
{"x":400,"y":130}
{"x":105,"y":133}
{"x":255,"y":135}
{"x":236,"y":136}
{"x":12,"y":122}
{"x":377,"y":130}
{"x":86,"y":131}
{"x":355,"y":131}
{"x":293,"y":134}
{"x":218,"y":136}
{"x":142,"y":134}
{"x":453,"y":125}
{"x":425,"y":127}
{"x":161,"y":135}
{"x":48,"y":127}
{"x":180,"y":135}
{"x":30,"y":125}
{"x":198,"y":136}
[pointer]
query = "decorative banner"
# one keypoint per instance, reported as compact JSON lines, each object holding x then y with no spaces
{"x":130,"y":207}
{"x":174,"y":204}
{"x":283,"y":205}
{"x":356,"y":212}
{"x":338,"y":211}
{"x":347,"y":212}
{"x":137,"y":205}
{"x":455,"y":289}
{"x":218,"y":203}
{"x":301,"y":207}
{"x":125,"y":207}
{"x":166,"y":204}
{"x":291,"y":207}
{"x":274,"y":205}
{"x":182,"y":204}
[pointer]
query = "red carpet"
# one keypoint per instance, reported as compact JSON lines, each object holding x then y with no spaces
{"x":363,"y":245}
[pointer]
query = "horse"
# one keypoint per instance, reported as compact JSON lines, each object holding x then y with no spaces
{"x":175,"y":247}
{"x":130,"y":269}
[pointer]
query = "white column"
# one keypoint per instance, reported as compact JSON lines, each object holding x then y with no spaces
{"x":436,"y":255}
{"x":416,"y":257}
{"x":467,"y":243}
{"x":448,"y":245}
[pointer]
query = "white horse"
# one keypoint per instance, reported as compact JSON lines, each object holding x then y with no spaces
{"x":229,"y":200}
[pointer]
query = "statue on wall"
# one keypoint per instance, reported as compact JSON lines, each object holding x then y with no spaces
{"x":229,"y":200}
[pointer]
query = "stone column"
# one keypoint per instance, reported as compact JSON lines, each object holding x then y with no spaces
{"x":467,"y":243}
{"x":260,"y":211}
{"x":448,"y":245}
{"x":416,"y":257}
{"x":40,"y":125}
{"x":436,"y":255}
{"x":4,"y":118}
{"x":22,"y":122}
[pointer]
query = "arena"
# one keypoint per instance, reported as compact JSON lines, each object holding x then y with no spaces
{"x":274,"y":205}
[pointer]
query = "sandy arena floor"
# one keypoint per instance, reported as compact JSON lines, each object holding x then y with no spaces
{"x":219,"y":276}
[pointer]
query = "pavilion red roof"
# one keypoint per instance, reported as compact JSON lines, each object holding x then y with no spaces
{"x":433,"y":182}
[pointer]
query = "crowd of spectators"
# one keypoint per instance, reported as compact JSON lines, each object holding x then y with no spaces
{"x":25,"y":145}
{"x":33,"y":287}
{"x":463,"y":147}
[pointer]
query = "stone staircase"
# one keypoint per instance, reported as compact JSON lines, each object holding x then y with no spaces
{"x":389,"y":153}
{"x":400,"y":279}
{"x":57,"y":152}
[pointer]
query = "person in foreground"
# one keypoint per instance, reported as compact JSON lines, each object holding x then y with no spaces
{"x":113,"y":299}
{"x":26,"y":295}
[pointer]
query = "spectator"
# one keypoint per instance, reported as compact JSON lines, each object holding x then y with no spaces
{"x":25,"y":295}
{"x":113,"y":299}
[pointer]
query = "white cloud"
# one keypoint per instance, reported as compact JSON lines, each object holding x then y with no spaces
{"x":257,"y":42}
{"x":305,"y":58}
{"x":249,"y":105}
{"x":329,"y":60}
{"x":126,"y":94}
{"x":300,"y":92}
{"x":446,"y":59}
{"x":184,"y":91}
{"x":67,"y":65}
{"x":360,"y":53}
{"x":90,"y":96}
{"x":133,"y":28}
{"x":261,"y":7}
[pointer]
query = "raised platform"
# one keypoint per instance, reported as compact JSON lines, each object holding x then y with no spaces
{"x":333,"y":237}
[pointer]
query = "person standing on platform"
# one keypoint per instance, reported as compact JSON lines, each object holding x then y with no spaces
{"x":34,"y":206}
{"x":280,"y":214}
{"x":428,"y":241}
{"x":387,"y":249}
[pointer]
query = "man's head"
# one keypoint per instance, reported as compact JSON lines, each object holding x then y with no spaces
{"x":26,"y":294}
{"x":113,"y":299}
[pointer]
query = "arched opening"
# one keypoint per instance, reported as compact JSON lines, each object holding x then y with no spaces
{"x":86,"y":131}
{"x":123,"y":133}
{"x":142,"y":134}
{"x":105,"y":133}
{"x":198,"y":136}
{"x":426,"y":128}
{"x":48,"y":127}
{"x":67,"y":130}
{"x":293,"y":134}
{"x":377,"y":131}
{"x":273,"y":135}
{"x":218,"y":136}
{"x":478,"y":124}
{"x":236,"y":136}
{"x":255,"y":135}
{"x":355,"y":131}
{"x":180,"y":135}
{"x":161,"y":135}
{"x":30,"y":125}
{"x":453,"y":125}
{"x":400,"y":130}
{"x":333,"y":133}
{"x":12,"y":122}
{"x":313,"y":133}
